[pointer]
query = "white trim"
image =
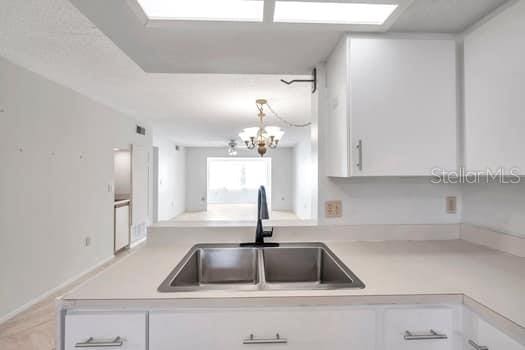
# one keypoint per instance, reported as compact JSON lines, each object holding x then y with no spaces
{"x":138,"y":242}
{"x":50,"y":292}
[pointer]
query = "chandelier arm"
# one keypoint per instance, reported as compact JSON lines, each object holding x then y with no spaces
{"x":290,"y":124}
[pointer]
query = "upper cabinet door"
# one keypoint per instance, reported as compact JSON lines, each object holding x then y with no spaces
{"x":392,"y":107}
{"x":495,"y":94}
{"x":403,"y":106}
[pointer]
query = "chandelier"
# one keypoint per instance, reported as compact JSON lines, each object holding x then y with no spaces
{"x":262,"y":137}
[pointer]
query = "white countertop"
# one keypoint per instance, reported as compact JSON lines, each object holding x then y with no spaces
{"x":390,"y":268}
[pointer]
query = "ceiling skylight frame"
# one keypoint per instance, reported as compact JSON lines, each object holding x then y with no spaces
{"x":334,"y":12}
{"x":268,"y":17}
{"x":194,"y":11}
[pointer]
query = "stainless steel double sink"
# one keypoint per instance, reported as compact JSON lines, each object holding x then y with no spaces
{"x":235,"y":267}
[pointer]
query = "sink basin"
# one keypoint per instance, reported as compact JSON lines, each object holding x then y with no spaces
{"x":232,"y":266}
{"x":307,"y":266}
{"x":214,"y":267}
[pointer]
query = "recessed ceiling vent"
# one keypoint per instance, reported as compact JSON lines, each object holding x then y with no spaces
{"x":141,"y":130}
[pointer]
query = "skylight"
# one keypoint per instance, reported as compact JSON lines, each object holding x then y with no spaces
{"x":204,"y":10}
{"x":332,"y":12}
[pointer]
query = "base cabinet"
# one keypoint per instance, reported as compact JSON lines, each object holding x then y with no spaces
{"x":480,"y":335}
{"x":105,"y":330}
{"x":415,"y":328}
{"x":301,"y":328}
{"x":366,"y":327}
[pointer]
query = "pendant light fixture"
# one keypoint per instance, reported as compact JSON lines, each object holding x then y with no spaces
{"x":262,"y":137}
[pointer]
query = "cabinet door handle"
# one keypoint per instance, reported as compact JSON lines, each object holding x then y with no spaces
{"x":277,"y":340}
{"x":431,"y":335}
{"x":92,"y":343}
{"x":476,"y":346}
{"x":359,"y":147}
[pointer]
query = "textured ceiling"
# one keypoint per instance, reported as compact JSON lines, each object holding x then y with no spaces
{"x":166,"y":46}
{"x":54,"y":39}
{"x":444,"y":16}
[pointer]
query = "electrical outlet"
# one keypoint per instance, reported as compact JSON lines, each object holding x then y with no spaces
{"x":87,"y":241}
{"x":333,"y":209}
{"x":452,"y":206}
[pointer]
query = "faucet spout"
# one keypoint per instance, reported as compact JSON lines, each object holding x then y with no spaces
{"x":262,"y":204}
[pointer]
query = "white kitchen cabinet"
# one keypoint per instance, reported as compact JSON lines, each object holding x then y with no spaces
{"x":421,"y":328}
{"x":494,"y":86}
{"x":391,"y":106}
{"x":91,"y":329}
{"x":477,"y":333}
{"x":299,"y":328}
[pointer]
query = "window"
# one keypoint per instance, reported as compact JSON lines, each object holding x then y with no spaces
{"x":237,"y":180}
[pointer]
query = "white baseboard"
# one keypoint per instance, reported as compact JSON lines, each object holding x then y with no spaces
{"x":504,"y":242}
{"x":137,"y":242}
{"x":47,"y":294}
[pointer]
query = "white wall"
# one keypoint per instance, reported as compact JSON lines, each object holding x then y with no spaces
{"x":196,"y":175}
{"x":56,"y":152}
{"x":305,"y":178}
{"x":500,"y":207}
{"x":171,"y":178}
{"x":387,"y":200}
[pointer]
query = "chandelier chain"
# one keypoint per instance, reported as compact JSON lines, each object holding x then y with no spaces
{"x":290,"y":124}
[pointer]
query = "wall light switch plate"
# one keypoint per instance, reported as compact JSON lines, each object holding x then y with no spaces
{"x":452,"y":205}
{"x":333,"y":209}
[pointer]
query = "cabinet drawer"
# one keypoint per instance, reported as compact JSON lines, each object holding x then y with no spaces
{"x":291,"y":328}
{"x":480,"y":333}
{"x":425,"y":326}
{"x":105,"y":327}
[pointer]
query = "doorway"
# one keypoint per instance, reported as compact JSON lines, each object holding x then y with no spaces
{"x":122,"y":200}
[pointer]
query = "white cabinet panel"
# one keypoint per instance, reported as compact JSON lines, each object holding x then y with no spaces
{"x":494,"y":86}
{"x":106,"y":327}
{"x":338,"y":123}
{"x":419,"y":321}
{"x":397,"y":97}
{"x":403,"y":106}
{"x":481,"y":333}
{"x":303,"y":328}
{"x":122,"y":224}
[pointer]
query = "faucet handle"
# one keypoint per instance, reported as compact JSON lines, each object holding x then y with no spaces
{"x":268,"y":233}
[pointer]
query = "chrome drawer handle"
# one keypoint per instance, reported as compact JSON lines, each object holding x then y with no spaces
{"x":92,"y":343}
{"x":476,"y":346}
{"x":359,"y":147}
{"x":432,"y":335}
{"x":276,"y":340}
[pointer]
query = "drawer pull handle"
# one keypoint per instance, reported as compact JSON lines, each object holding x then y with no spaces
{"x":277,"y":340}
{"x":359,"y":147}
{"x":92,"y":343}
{"x":476,"y":346}
{"x":432,"y":335}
